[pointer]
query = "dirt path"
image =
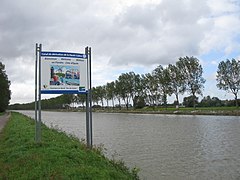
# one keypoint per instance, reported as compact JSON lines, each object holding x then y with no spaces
{"x":3,"y":120}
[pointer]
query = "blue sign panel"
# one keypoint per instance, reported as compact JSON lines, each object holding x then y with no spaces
{"x":63,"y":73}
{"x":63,"y":54}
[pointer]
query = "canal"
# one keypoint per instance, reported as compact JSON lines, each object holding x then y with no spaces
{"x":162,"y":146}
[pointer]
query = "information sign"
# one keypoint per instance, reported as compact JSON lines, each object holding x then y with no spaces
{"x":63,"y":73}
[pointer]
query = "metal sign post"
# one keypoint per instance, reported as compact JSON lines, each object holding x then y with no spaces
{"x":38,"y":93}
{"x":63,"y":73}
{"x":89,"y":100}
{"x":90,"y":95}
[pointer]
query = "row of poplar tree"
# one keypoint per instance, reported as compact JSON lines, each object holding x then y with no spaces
{"x":185,"y":76}
{"x":154,"y":87}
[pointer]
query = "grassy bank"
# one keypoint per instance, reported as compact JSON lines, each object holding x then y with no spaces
{"x":57,"y":157}
{"x":231,"y":111}
{"x":217,"y":111}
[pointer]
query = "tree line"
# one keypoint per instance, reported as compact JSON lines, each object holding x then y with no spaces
{"x":185,"y":76}
{"x":5,"y":93}
{"x":60,"y":102}
{"x":152,"y":89}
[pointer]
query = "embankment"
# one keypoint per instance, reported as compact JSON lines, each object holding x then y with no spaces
{"x":58,"y":156}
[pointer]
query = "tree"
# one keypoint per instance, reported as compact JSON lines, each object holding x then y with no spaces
{"x":5,"y":94}
{"x":99,"y":93}
{"x":110,"y":88}
{"x":118,"y":92}
{"x":177,"y":83}
{"x":138,"y":102}
{"x":81,"y":99}
{"x":125,"y":87}
{"x":190,"y":101}
{"x":163,"y":79}
{"x":228,"y":77}
{"x":135,"y":84}
{"x":95,"y":96}
{"x":192,"y":73}
{"x":150,"y":88}
{"x":210,"y":102}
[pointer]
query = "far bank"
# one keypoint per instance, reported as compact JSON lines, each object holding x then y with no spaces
{"x":215,"y":111}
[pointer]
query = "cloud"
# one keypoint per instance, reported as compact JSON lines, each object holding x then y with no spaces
{"x":160,"y":33}
{"x":124,"y":34}
{"x":224,"y":33}
{"x":214,"y":62}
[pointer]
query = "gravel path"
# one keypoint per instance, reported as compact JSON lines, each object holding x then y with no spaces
{"x":3,"y":120}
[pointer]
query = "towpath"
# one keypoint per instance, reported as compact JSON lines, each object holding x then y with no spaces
{"x":3,"y":120}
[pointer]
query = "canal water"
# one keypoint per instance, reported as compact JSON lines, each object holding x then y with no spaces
{"x":162,"y":146}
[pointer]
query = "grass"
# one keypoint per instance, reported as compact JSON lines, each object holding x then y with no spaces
{"x":192,"y":109}
{"x":230,"y":111}
{"x":56,"y":157}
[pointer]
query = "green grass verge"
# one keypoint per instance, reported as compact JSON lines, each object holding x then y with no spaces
{"x":231,"y":111}
{"x":228,"y":111}
{"x":57,"y":157}
{"x":191,"y":109}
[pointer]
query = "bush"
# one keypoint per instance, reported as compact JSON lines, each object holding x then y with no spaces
{"x":139,"y":102}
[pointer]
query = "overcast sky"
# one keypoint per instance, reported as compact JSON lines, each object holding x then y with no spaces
{"x":125,"y":35}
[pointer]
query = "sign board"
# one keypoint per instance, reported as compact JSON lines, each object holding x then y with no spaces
{"x":63,"y":73}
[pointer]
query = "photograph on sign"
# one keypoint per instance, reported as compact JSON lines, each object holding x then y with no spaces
{"x":63,"y":72}
{"x":64,"y":75}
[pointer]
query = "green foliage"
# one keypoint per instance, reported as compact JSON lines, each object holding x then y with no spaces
{"x":138,"y":102}
{"x":5,"y":94}
{"x":60,"y":74}
{"x":60,"y":102}
{"x":190,"y":101}
{"x":125,"y":81}
{"x":223,"y":110}
{"x":210,"y":102}
{"x":192,"y":73}
{"x":98,"y":94}
{"x":57,"y":157}
{"x":228,"y":77}
{"x":231,"y":103}
{"x":118,"y":92}
{"x":80,"y":98}
{"x":150,"y":89}
{"x":184,"y":76}
{"x":177,"y":81}
{"x":163,"y":80}
{"x":110,"y":91}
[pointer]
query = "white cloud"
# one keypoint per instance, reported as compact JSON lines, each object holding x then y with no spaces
{"x":225,"y":29}
{"x":223,"y":6}
{"x":124,"y":34}
{"x":214,"y":62}
{"x":22,"y":92}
